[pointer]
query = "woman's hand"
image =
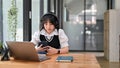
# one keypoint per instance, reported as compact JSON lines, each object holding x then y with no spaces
{"x":40,"y":48}
{"x":51,"y":50}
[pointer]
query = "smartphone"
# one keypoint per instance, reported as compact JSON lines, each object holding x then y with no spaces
{"x":44,"y":43}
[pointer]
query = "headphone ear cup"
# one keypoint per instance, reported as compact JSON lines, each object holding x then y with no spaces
{"x":57,"y":26}
{"x":57,"y":23}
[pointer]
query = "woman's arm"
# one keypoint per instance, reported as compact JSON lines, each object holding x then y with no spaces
{"x":52,"y":50}
{"x":35,"y":38}
{"x":63,"y":39}
{"x":64,"y":50}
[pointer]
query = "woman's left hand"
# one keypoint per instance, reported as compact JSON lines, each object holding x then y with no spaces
{"x":51,"y":50}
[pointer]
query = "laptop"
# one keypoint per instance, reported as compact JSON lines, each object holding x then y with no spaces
{"x":24,"y":51}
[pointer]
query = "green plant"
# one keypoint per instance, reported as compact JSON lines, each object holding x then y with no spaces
{"x":1,"y":47}
{"x":0,"y":44}
{"x":12,"y":21}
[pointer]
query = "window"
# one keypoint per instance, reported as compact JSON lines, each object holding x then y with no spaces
{"x":19,"y":33}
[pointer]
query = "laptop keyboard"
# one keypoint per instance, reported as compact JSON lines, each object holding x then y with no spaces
{"x":43,"y":57}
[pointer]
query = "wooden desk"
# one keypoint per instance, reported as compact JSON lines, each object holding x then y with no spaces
{"x":80,"y":61}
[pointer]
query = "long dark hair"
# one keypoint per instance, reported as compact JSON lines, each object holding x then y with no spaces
{"x":49,"y":17}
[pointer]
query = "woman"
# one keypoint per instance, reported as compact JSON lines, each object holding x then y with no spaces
{"x":50,"y":32}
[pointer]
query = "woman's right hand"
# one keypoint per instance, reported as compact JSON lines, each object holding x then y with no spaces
{"x":40,"y":48}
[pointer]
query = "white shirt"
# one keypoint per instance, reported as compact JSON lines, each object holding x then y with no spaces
{"x":62,"y":37}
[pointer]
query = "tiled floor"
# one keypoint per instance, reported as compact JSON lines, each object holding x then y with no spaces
{"x":102,"y":61}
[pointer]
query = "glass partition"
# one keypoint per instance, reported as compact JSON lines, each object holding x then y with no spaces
{"x":83,"y":23}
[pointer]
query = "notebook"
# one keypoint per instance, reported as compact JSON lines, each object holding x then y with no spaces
{"x":64,"y":59}
{"x":24,"y":51}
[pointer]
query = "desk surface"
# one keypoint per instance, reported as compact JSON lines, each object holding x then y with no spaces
{"x":80,"y":61}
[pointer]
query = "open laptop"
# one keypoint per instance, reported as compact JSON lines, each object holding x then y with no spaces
{"x":24,"y":51}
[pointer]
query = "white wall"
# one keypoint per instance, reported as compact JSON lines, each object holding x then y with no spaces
{"x":114,"y":33}
{"x":117,"y":4}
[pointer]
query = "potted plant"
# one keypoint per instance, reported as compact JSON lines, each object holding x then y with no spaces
{"x":1,"y":47}
{"x":12,"y":21}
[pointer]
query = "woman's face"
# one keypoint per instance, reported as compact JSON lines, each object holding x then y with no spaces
{"x":49,"y":27}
